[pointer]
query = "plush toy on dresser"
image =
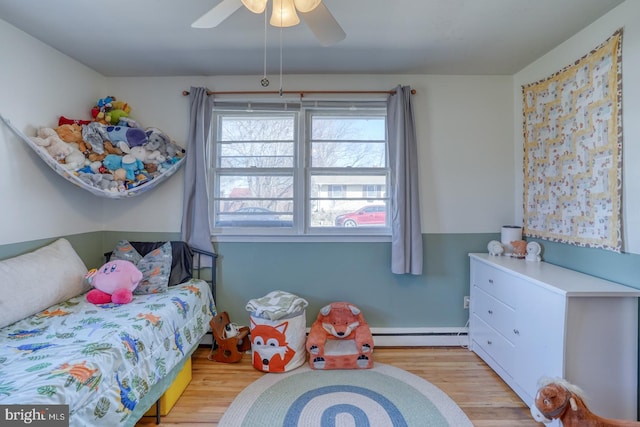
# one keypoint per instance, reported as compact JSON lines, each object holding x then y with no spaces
{"x":340,"y":338}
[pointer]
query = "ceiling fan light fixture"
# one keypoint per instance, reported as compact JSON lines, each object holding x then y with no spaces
{"x":284,"y":14}
{"x":255,"y":6}
{"x":304,"y":6}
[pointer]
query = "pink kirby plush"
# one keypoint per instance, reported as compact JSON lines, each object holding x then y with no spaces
{"x":113,"y":282}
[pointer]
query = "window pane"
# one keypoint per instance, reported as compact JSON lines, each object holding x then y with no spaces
{"x":348,"y":141}
{"x":348,"y":213}
{"x":347,"y":201}
{"x":348,"y":128}
{"x":346,"y":186}
{"x":257,"y":127}
{"x":260,"y":154}
{"x":259,"y":141}
{"x":348,"y":154}
{"x":254,"y":201}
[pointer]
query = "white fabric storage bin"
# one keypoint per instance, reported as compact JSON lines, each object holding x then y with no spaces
{"x":279,"y":345}
{"x":278,"y":333}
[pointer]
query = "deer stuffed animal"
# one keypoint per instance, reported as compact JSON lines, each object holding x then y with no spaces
{"x":558,"y":399}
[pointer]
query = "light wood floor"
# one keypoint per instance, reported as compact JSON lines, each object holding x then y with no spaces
{"x":482,"y":395}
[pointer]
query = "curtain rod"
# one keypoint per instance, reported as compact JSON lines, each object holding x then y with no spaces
{"x":302,"y":93}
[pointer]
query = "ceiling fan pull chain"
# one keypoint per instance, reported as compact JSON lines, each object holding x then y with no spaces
{"x":280,"y":59}
{"x":265,"y":81}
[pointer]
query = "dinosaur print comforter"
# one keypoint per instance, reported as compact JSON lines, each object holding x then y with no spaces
{"x":101,"y":359}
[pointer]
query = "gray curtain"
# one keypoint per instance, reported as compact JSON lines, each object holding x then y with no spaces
{"x":406,"y":235}
{"x":195,"y":229}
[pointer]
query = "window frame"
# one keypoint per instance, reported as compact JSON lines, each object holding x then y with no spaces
{"x":301,"y":173}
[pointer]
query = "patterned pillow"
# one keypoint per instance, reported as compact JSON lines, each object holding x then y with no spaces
{"x":155,"y":266}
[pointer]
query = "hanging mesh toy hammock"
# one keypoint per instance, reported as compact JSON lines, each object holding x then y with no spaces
{"x":125,"y":190}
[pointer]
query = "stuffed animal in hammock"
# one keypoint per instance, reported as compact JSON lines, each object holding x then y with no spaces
{"x":113,"y":282}
{"x":558,"y":399}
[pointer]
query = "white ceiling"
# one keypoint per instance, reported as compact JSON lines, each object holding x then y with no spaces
{"x":154,"y":37}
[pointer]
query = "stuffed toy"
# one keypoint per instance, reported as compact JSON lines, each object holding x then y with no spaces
{"x":101,"y":111}
{"x":158,"y":140}
{"x":120,"y":174}
{"x":72,"y":133}
{"x":131,"y":136}
{"x":76,"y":159}
{"x":340,"y":338}
{"x":558,"y":399}
{"x":151,"y":168}
{"x":145,"y":155}
{"x":132,"y":166}
{"x":96,"y":135}
{"x":119,"y":111}
{"x":519,"y":248}
{"x":128,"y":121}
{"x":113,"y":282}
{"x":66,"y":121}
{"x":109,"y":148}
{"x":112,"y":162}
{"x":102,"y":181}
{"x":56,"y":147}
{"x":232,"y":340}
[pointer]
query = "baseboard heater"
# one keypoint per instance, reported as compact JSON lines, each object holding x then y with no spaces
{"x":421,"y":337}
{"x":410,"y":337}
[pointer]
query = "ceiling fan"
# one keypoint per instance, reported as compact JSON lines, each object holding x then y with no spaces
{"x":284,"y":13}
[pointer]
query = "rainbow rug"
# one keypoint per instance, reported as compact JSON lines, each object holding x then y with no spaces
{"x":377,"y":397}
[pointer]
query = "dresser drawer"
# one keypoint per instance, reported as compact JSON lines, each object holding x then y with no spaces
{"x":494,"y":344}
{"x":496,"y":314}
{"x":496,"y":283}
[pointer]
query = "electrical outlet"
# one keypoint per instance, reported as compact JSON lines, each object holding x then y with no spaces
{"x":466,"y":302}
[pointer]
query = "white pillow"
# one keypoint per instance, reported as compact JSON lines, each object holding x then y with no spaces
{"x":34,"y":281}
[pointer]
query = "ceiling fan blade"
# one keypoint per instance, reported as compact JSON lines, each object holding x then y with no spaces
{"x":219,"y":13}
{"x":324,"y":25}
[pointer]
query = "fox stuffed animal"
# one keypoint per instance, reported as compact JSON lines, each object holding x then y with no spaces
{"x":340,"y":338}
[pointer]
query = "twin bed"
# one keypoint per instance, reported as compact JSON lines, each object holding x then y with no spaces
{"x":110,"y":363}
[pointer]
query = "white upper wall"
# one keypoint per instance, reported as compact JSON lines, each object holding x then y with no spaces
{"x":464,"y":130}
{"x":38,"y":84}
{"x":626,"y":16}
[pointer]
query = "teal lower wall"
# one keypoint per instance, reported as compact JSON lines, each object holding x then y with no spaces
{"x":621,"y":268}
{"x":87,"y":245}
{"x":356,"y":272}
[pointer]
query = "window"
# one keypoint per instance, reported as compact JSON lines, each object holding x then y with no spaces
{"x":299,"y":169}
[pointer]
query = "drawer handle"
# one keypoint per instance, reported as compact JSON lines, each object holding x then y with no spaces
{"x":491,"y":281}
{"x":489,"y":342}
{"x":517,"y":332}
{"x":490,"y":311}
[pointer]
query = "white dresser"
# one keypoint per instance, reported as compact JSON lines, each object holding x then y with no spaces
{"x":533,"y":319}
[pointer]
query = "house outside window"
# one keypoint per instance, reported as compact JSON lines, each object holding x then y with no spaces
{"x":297,"y":169}
{"x":372,"y":191}
{"x":336,"y":190}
